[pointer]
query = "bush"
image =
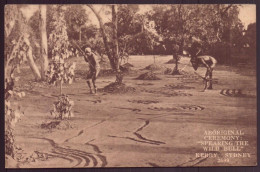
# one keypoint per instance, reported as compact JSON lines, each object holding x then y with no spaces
{"x":62,"y":108}
{"x":12,"y":116}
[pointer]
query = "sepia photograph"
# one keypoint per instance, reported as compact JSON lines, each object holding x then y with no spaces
{"x":130,"y":85}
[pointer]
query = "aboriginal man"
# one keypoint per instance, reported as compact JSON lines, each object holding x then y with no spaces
{"x":198,"y":58}
{"x":94,"y":68}
{"x":209,"y":62}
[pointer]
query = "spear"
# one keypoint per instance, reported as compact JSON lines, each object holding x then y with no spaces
{"x":78,"y":48}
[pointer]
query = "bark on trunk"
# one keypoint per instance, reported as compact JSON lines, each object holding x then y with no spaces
{"x":32,"y":65}
{"x":79,"y":34}
{"x":115,"y":37}
{"x":43,"y":43}
{"x":11,"y":56}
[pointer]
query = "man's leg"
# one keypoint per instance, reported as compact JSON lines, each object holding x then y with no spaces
{"x":94,"y":83}
{"x":210,"y":80}
{"x":89,"y":76}
{"x":89,"y":85}
{"x":94,"y":78}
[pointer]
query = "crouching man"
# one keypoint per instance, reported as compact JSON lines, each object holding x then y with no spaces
{"x":94,"y":68}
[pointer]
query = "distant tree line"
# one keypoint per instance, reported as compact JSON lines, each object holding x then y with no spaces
{"x":131,"y":32}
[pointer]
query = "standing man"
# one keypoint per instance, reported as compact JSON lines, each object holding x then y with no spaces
{"x":94,"y":68}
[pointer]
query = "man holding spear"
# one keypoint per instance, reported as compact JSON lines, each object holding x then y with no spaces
{"x":207,"y":61}
{"x":94,"y":66}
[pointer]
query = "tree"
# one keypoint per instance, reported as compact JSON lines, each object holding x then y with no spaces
{"x":76,"y":18}
{"x":15,"y":49}
{"x":93,"y":38}
{"x":112,"y":46}
{"x":59,"y":70}
{"x":220,"y":27}
{"x":127,"y":20}
{"x":175,"y":23}
{"x":130,"y":26}
{"x":126,"y":29}
{"x":43,"y":38}
{"x":89,"y":31}
{"x":226,"y":31}
{"x":120,"y":33}
{"x":104,"y":36}
{"x":115,"y":48}
{"x":136,"y":32}
{"x":17,"y":37}
{"x":12,"y":14}
{"x":250,"y":36}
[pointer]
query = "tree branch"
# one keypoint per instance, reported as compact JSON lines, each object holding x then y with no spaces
{"x":225,"y":10}
{"x":100,"y":10}
{"x":11,"y":56}
{"x":102,"y":29}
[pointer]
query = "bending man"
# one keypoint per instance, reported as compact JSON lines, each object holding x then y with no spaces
{"x":197,"y":58}
{"x":208,"y":62}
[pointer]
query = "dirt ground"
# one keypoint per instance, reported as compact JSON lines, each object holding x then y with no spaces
{"x":161,"y":123}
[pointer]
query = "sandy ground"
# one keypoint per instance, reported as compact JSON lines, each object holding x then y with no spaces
{"x":161,"y":124}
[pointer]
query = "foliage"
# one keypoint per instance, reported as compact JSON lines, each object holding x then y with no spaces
{"x":137,"y":33}
{"x":89,"y":31}
{"x":16,"y":44}
{"x":93,"y":39}
{"x":11,"y":15}
{"x":34,"y":23}
{"x":178,"y":22}
{"x":58,"y":39}
{"x":15,"y":26}
{"x":59,"y":47}
{"x":76,"y":18}
{"x":250,"y":36}
{"x":51,"y":10}
{"x":59,"y":70}
{"x":12,"y":116}
{"x":16,"y":56}
{"x":62,"y":108}
{"x":127,"y":21}
{"x":97,"y":45}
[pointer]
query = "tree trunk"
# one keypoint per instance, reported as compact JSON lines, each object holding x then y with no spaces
{"x":32,"y":65}
{"x":43,"y":43}
{"x":11,"y":56}
{"x":181,"y":44}
{"x":105,"y":39}
{"x":80,"y":34}
{"x":115,"y":37}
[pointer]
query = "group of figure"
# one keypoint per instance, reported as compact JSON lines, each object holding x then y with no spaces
{"x":195,"y":51}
